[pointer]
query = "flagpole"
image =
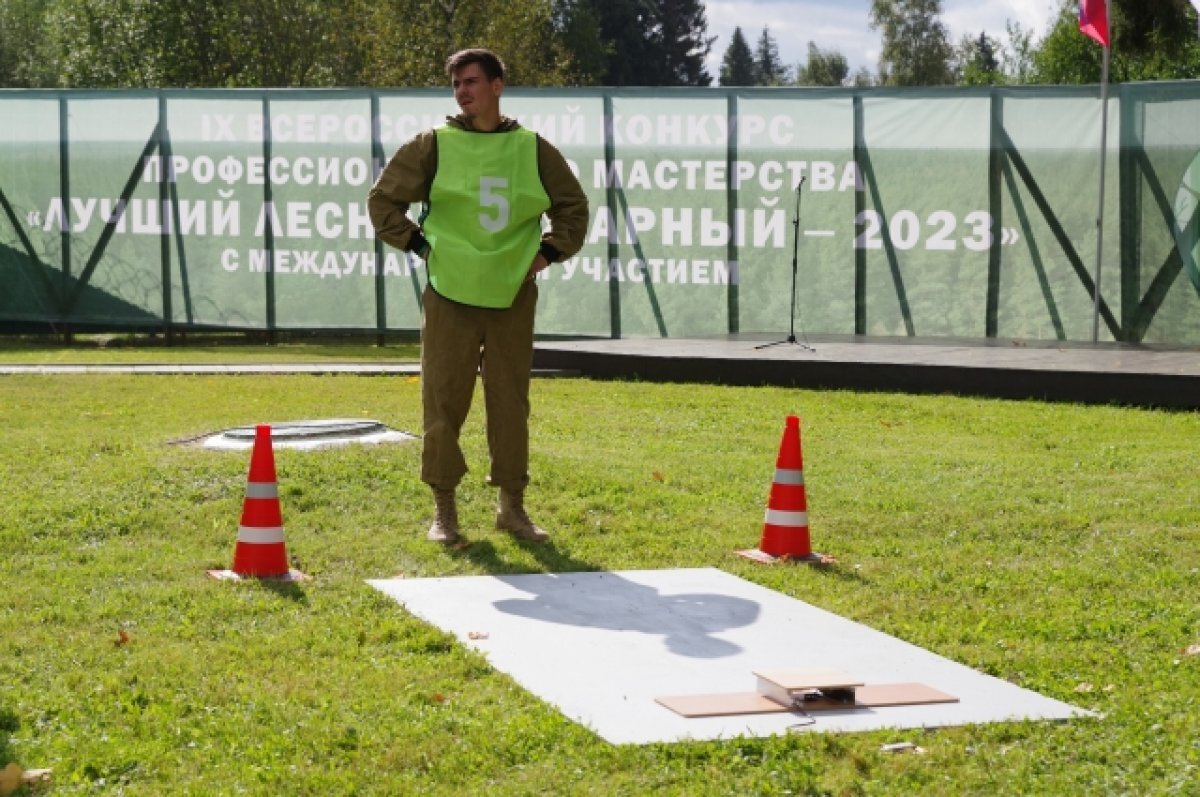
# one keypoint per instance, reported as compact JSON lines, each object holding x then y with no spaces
{"x":1103,"y":160}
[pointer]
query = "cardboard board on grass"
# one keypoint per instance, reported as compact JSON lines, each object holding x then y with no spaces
{"x":603,"y":646}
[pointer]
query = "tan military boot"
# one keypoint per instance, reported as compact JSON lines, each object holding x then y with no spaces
{"x":445,"y":519}
{"x":512,"y":517}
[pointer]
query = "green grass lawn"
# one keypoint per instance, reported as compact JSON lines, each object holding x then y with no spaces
{"x":1052,"y":545}
{"x":223,"y":348}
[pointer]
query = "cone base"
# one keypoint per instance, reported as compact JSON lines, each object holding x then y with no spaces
{"x":230,"y":575}
{"x":764,"y":558}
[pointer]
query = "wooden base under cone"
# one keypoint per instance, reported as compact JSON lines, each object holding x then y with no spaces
{"x":763,"y":558}
{"x":229,"y":575}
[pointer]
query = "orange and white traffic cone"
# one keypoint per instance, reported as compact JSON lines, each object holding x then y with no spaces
{"x":260,"y":551}
{"x":785,"y":528}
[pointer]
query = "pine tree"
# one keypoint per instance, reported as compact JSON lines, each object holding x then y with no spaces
{"x":682,"y":33}
{"x":980,"y":63}
{"x":622,"y":26}
{"x":577,"y":22}
{"x":737,"y":66}
{"x":770,"y":69}
{"x":651,"y":42}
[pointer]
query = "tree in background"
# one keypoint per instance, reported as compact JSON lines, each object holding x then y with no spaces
{"x":284,"y":42}
{"x":194,"y":43}
{"x":1155,"y":39}
{"x":862,"y":78}
{"x":406,"y":42}
{"x":200,"y":43}
{"x":512,"y":24}
{"x":768,"y":66}
{"x":403,"y":43}
{"x":25,"y":58}
{"x":190,"y":43}
{"x":823,"y":68}
{"x":916,"y":47}
{"x":737,"y":65}
{"x":979,"y":61}
{"x":578,"y":25}
{"x":103,"y":43}
{"x":247,"y":43}
{"x":682,"y":35}
{"x":622,"y":26}
{"x":646,"y":42}
{"x":1151,"y":40}
{"x":1017,"y":55}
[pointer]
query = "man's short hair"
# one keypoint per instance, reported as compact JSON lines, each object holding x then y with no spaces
{"x":488,"y":61}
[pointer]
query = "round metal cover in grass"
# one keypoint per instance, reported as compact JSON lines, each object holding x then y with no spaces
{"x":310,"y":434}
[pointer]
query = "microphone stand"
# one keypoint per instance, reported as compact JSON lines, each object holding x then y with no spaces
{"x":791,"y":338}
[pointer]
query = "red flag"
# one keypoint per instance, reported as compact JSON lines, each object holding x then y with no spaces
{"x":1093,"y":20}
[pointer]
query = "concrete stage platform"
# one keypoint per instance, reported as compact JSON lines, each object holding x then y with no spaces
{"x":1095,"y":374}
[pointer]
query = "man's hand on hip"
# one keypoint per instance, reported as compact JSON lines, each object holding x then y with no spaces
{"x":539,"y":263}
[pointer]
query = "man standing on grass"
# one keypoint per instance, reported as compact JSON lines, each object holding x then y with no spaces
{"x":486,"y":183}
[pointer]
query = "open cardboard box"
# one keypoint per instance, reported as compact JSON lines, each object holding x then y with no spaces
{"x":812,"y":689}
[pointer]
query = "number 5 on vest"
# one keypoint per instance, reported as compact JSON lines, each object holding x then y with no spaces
{"x":489,"y":198}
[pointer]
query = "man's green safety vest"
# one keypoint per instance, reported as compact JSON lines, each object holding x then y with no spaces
{"x":484,"y":219}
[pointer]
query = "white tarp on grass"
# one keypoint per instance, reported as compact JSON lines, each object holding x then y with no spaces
{"x":602,"y":646}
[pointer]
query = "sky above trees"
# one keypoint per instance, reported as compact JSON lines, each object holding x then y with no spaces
{"x":843,"y":25}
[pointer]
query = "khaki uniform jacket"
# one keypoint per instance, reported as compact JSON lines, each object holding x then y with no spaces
{"x":409,"y":174}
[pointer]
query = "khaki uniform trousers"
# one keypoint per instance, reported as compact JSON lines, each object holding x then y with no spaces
{"x":457,"y":342}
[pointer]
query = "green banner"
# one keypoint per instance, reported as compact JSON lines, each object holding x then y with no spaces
{"x":942,"y":213}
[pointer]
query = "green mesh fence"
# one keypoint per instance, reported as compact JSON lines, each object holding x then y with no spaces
{"x":966,"y":213}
